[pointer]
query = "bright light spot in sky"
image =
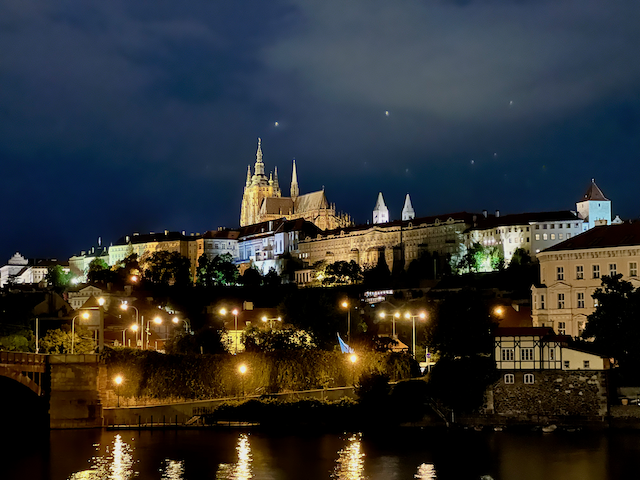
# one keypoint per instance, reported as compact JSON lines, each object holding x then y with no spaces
{"x":495,"y":155}
{"x":472,"y":162}
{"x":276,"y":124}
{"x":510,"y":102}
{"x":386,"y":113}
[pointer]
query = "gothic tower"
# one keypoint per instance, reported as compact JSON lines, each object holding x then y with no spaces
{"x":594,"y":206}
{"x":295,"y":191}
{"x":380,"y":212}
{"x":258,"y":187}
{"x":407,"y":211}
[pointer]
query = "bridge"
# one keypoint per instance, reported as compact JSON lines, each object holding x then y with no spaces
{"x":71,"y":386}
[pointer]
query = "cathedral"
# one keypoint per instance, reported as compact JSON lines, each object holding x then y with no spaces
{"x":262,"y":200}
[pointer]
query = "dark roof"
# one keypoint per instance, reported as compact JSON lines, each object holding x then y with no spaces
{"x":492,"y":221}
{"x":545,"y":332}
{"x":605,"y":236}
{"x":154,"y":237}
{"x":280,"y":225}
{"x":593,"y":193}
{"x":459,"y":216}
{"x":223,"y":234}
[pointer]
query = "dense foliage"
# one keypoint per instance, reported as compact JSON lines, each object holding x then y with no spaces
{"x":155,"y":375}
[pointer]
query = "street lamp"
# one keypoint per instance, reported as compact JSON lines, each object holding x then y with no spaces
{"x":270,"y":320}
{"x":408,"y":316}
{"x":84,"y":315}
{"x":118,"y":382}
{"x":234,"y":312}
{"x":393,"y":322}
{"x":345,"y":304}
{"x":157,"y":321}
{"x":125,"y":306}
{"x":353,"y":358}
{"x":242,"y":369}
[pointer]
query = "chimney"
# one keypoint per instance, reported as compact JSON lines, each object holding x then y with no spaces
{"x":497,"y":213}
{"x":484,"y":213}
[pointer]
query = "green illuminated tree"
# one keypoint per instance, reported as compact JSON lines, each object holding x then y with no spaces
{"x":57,"y":278}
{"x":167,"y":268}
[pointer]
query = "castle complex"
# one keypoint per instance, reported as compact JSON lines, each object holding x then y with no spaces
{"x":262,"y":200}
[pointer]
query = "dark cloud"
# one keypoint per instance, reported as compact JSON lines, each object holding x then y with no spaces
{"x":121,"y":116}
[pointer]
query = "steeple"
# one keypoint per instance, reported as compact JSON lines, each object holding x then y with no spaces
{"x":594,"y":207}
{"x":295,"y":191}
{"x":380,"y":212}
{"x":259,"y":168}
{"x":407,"y":211}
{"x":271,"y":178}
{"x":275,"y":179}
{"x":248,"y":175}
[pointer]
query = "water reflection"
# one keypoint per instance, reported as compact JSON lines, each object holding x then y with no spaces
{"x":116,"y":464}
{"x":426,"y":471}
{"x":242,"y":469}
{"x":173,"y":470}
{"x":350,"y":462}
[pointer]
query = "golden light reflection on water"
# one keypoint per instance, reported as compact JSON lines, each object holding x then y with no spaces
{"x":241,"y":470}
{"x":173,"y":470}
{"x":350,"y":462}
{"x":116,"y":464}
{"x":426,"y":471}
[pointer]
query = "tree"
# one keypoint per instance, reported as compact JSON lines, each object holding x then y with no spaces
{"x":59,"y":340}
{"x":99,"y":272}
{"x":288,"y":338}
{"x":57,"y":278}
{"x":251,"y":278}
{"x":206,"y":341}
{"x":169,"y":268}
{"x":342,"y":273}
{"x":460,"y":326}
{"x":614,"y":326}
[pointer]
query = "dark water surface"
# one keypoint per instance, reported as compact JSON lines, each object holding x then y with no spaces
{"x":243,"y":455}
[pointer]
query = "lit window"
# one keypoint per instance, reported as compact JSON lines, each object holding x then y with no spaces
{"x":537,"y":236}
{"x":568,"y":235}
{"x":633,"y":269}
{"x":579,"y":272}
{"x":560,"y":235}
{"x":544,"y":236}
{"x":612,"y":269}
{"x":560,"y":300}
{"x":529,"y":378}
{"x":596,"y":271}
{"x":526,"y":354}
{"x":585,"y":364}
{"x":560,"y":271}
{"x":553,"y":236}
{"x":509,"y":378}
{"x":507,"y":354}
{"x":580,"y":299}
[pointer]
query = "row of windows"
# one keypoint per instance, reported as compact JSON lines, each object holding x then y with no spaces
{"x":595,"y":271}
{"x":562,"y":327}
{"x":526,"y":354}
{"x":529,"y":378}
{"x":553,"y":236}
{"x":559,"y":225}
{"x":580,"y":302}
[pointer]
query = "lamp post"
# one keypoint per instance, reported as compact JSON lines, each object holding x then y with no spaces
{"x":408,"y":316}
{"x":353,"y":358}
{"x":84,"y":315}
{"x":270,"y":320}
{"x":234,"y":312}
{"x":157,"y":321}
{"x":393,"y":322}
{"x":118,"y":382}
{"x":242,"y":369}
{"x":346,"y":305}
{"x":125,"y":306}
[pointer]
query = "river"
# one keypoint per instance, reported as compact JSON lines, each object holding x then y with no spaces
{"x":203,"y":454}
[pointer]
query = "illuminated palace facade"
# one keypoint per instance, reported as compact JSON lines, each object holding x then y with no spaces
{"x":262,"y":200}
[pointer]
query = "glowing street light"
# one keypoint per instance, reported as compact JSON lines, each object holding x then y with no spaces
{"x":270,"y":320}
{"x":422,"y":316}
{"x":393,"y":322}
{"x":345,"y":304}
{"x":234,"y":312}
{"x":118,"y":381}
{"x":84,"y":315}
{"x":157,"y":321}
{"x":242,"y":369}
{"x":125,"y":306}
{"x":353,"y":358}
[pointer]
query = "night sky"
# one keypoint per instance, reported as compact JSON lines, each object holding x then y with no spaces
{"x":120,"y":116}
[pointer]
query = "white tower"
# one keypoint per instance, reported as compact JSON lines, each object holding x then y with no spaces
{"x":594,"y":206}
{"x":380,"y":212}
{"x":295,"y":191}
{"x":407,"y":211}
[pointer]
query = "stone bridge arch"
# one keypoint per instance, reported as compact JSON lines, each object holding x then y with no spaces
{"x":25,"y":368}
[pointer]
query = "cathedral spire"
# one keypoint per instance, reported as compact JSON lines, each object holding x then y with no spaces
{"x":407,"y":211}
{"x":259,"y":168}
{"x":275,"y":178}
{"x":248,"y":175}
{"x":295,"y":191}
{"x":380,"y":212}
